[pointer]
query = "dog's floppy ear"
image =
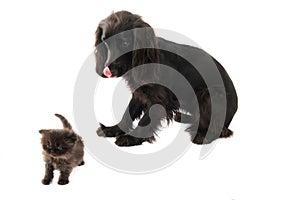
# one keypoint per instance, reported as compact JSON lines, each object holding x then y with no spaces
{"x":100,"y":52}
{"x":145,"y":42}
{"x":98,"y":35}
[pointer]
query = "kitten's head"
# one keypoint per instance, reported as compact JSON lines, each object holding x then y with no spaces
{"x":58,"y":142}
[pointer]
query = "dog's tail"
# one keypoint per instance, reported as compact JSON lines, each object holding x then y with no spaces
{"x":64,"y":121}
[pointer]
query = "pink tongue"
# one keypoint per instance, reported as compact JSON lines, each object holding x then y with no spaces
{"x":108,"y":73}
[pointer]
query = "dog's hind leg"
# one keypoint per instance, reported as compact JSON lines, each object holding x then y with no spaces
{"x":211,"y":126}
{"x":206,"y":137}
{"x":226,"y":132}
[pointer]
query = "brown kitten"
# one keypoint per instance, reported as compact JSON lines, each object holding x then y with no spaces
{"x":63,"y":150}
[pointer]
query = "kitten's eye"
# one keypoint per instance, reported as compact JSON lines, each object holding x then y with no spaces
{"x":49,"y":146}
{"x":59,"y":148}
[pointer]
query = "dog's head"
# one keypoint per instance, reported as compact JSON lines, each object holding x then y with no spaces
{"x":124,"y":41}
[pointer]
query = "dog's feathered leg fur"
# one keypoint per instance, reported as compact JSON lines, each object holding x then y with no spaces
{"x":147,"y":127}
{"x":133,"y":111}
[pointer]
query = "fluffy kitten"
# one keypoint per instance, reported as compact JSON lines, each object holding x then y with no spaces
{"x":63,"y":150}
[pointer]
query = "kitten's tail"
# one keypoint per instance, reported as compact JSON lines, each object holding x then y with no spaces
{"x":65,"y":122}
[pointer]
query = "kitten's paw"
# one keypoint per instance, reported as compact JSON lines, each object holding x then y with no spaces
{"x":46,"y":181}
{"x":128,"y":140}
{"x":113,"y":131}
{"x":63,"y":181}
{"x":82,"y":163}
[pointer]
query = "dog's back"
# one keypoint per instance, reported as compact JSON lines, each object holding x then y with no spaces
{"x":180,"y":57}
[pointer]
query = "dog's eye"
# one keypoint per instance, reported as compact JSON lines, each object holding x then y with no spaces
{"x":125,"y":44}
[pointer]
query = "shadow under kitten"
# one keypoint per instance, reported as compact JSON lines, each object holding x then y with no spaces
{"x":62,"y":150}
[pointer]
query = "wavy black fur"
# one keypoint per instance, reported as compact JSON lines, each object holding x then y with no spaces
{"x":148,"y":95}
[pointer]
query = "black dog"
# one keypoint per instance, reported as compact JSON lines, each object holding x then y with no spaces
{"x":203,"y":130}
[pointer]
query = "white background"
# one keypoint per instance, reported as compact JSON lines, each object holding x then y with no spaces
{"x":44,"y":43}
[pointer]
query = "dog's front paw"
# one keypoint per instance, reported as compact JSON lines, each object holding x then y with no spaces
{"x":113,"y":131}
{"x":128,"y":140}
{"x":100,"y":131}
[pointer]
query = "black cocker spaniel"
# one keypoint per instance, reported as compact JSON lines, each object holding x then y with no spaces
{"x":155,"y":70}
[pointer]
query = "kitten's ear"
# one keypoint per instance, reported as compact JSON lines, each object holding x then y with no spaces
{"x":42,"y":131}
{"x":71,"y":138}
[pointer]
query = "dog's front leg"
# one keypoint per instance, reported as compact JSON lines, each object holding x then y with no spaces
{"x":147,"y":126}
{"x":133,"y":111}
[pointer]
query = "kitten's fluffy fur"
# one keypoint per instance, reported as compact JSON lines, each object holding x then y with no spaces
{"x":63,"y":150}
